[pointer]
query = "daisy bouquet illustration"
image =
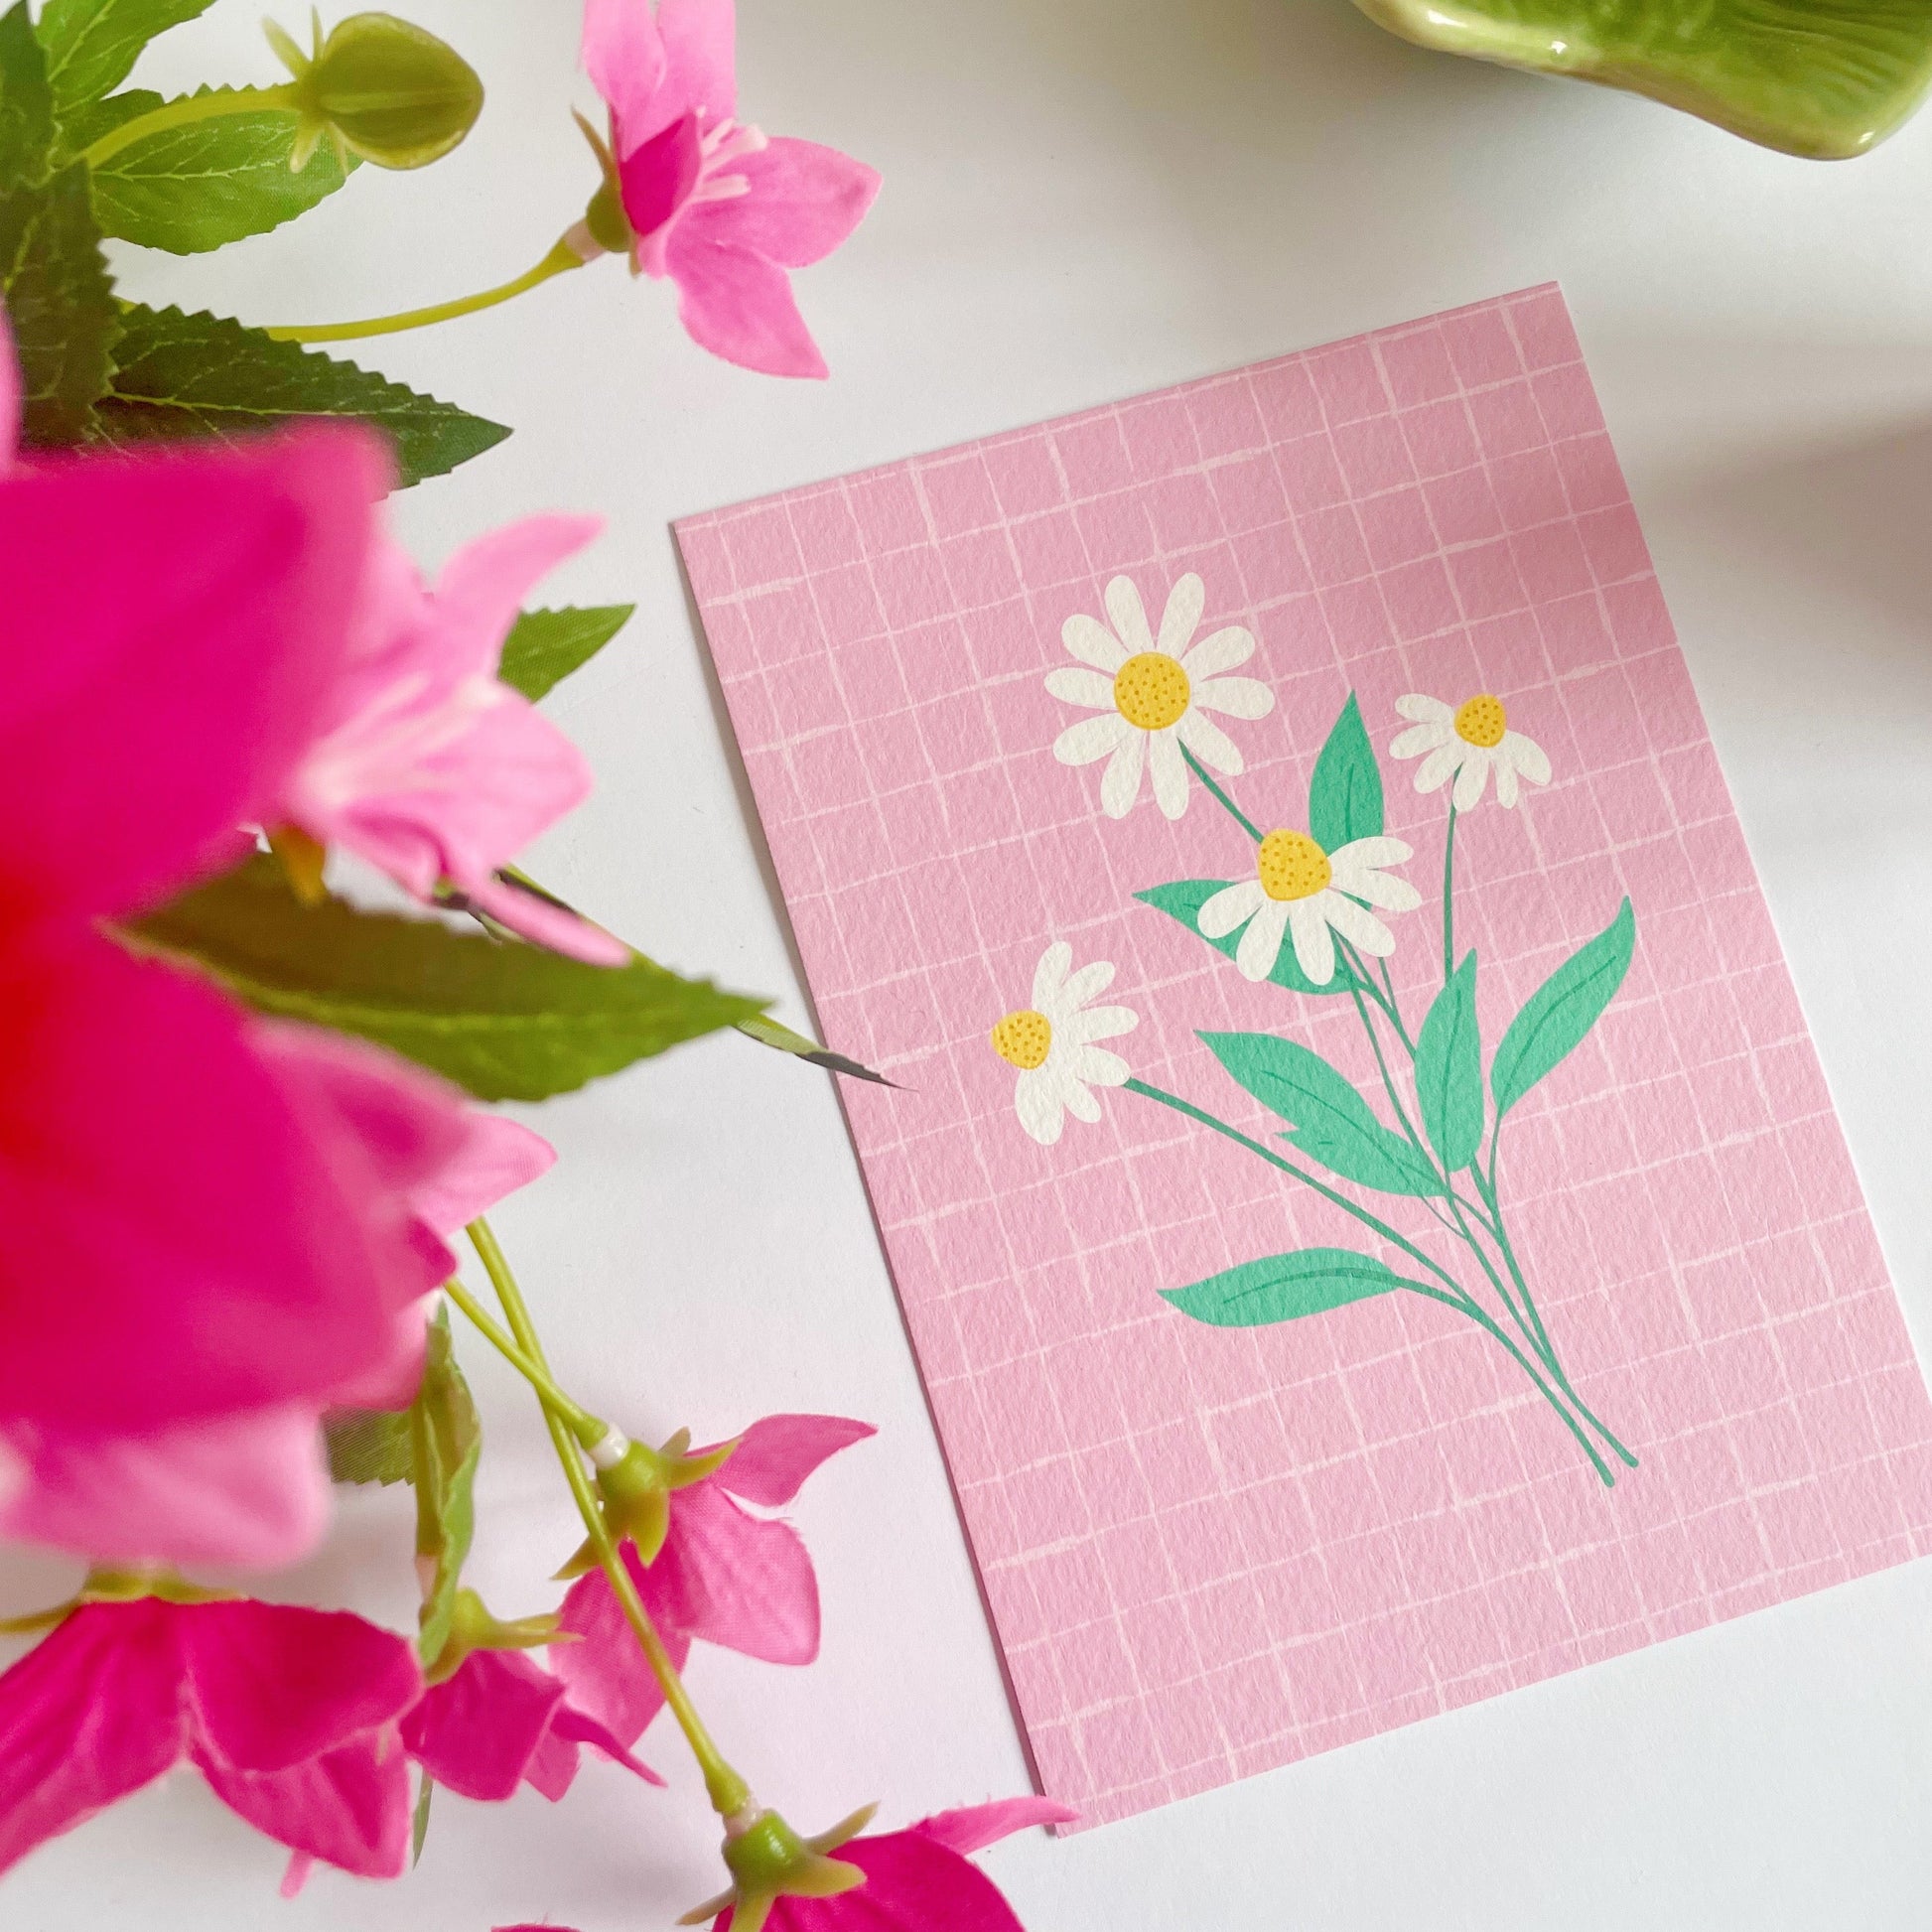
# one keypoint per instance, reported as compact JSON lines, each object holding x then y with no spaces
{"x":1316,"y":913}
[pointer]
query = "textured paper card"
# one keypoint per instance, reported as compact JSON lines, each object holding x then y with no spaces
{"x":1364,"y":1198}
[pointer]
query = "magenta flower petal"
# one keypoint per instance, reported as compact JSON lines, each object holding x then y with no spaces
{"x":734,"y":1579}
{"x":483,"y":587}
{"x":776,"y":1454}
{"x":914,"y":1883}
{"x":623,"y":54}
{"x":350,"y":1806}
{"x":496,"y":1159}
{"x":608,"y":1678}
{"x":477,"y":1731}
{"x":975,"y":1827}
{"x":701,"y":49}
{"x":803,"y":201}
{"x":657,"y":173}
{"x":736,"y":303}
{"x":554,"y":1767}
{"x":190,"y":656}
{"x":9,"y":394}
{"x":536,"y":920}
{"x":250,"y":1490}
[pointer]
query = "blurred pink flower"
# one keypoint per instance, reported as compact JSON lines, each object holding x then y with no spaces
{"x":724,"y":1575}
{"x":252,"y":1488}
{"x":919,"y":1879}
{"x":712,"y":203}
{"x":501,"y":1721}
{"x":425,"y":764}
{"x":289,"y":1714}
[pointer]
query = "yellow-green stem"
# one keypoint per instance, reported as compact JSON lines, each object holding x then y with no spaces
{"x":184,"y":113}
{"x":728,"y":1791}
{"x":562,"y":258}
{"x":589,"y":1429}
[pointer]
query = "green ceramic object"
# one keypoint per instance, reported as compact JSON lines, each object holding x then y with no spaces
{"x":1824,"y":78}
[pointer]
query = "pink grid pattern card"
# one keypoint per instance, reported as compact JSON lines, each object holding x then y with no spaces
{"x":1365,"y":1199}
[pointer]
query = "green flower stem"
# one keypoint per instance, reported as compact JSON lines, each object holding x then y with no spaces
{"x":728,"y":1791}
{"x":1227,"y":804}
{"x":589,"y":1429}
{"x":1457,"y":1296}
{"x":1448,"y":897}
{"x":1395,"y":1095}
{"x":183,"y":112}
{"x":1393,"y":1008}
{"x":560,"y":260}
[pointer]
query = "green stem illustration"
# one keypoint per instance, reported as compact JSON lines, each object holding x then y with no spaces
{"x":1233,"y":810}
{"x":1448,"y":897}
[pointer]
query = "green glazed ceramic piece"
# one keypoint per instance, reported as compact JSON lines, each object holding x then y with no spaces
{"x":1823,"y":79}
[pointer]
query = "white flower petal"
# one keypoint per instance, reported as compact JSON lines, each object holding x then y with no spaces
{"x":1089,"y":688}
{"x":1036,"y":1099}
{"x":1220,"y":650}
{"x":1222,"y":911}
{"x":1211,"y":744}
{"x":1411,"y":743}
{"x":1170,"y":772}
{"x":1183,"y":614}
{"x":1130,"y":619}
{"x":1103,"y":1068}
{"x":1091,"y":738}
{"x":1122,"y":784}
{"x":1470,"y":780}
{"x":1440,"y":766}
{"x":1261,"y":944}
{"x":1388,"y":889}
{"x":1089,"y":983}
{"x":1051,"y":974}
{"x":1088,"y":640}
{"x":1360,"y":927}
{"x":1235,"y":697}
{"x":1078,"y":1101}
{"x":1101,"y":1023}
{"x":1378,"y":850}
{"x":1505,"y":784}
{"x":1527,"y":756}
{"x":1315,"y":949}
{"x":1424,"y":710}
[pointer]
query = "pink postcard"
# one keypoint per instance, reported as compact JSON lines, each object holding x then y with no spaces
{"x":1365,"y":1199}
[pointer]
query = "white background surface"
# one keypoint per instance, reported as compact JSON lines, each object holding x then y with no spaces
{"x":1086,"y":199}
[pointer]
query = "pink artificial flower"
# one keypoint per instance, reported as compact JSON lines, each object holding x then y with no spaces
{"x":425,"y":762}
{"x":289,"y":1714}
{"x":501,"y":1721}
{"x":252,"y":1488}
{"x":724,"y":1575}
{"x":920,"y":1879}
{"x":714,"y":204}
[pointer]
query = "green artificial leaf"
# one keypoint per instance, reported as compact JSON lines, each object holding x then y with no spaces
{"x":26,"y":105}
{"x":1824,"y":78}
{"x":545,"y":647}
{"x":61,"y":302}
{"x":369,"y":1446}
{"x":1284,"y":1288}
{"x":419,"y":1825}
{"x":1327,"y":1117}
{"x":1449,"y":1071}
{"x":202,"y":186}
{"x":1557,"y":1016}
{"x":507,"y":1021}
{"x":82,"y":126}
{"x":1184,"y":900}
{"x":92,"y":45}
{"x":448,"y":1439}
{"x":184,"y":375}
{"x":770,"y":1033}
{"x":1346,"y":794}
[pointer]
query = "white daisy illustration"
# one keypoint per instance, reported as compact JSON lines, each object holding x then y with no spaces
{"x":1467,"y":741}
{"x":1050,"y":1043}
{"x":1299,"y":889}
{"x":1153,"y":695}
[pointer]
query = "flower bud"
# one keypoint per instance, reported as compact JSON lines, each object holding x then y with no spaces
{"x":379,"y":89}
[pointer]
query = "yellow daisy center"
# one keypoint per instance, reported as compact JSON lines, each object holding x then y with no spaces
{"x":1150,"y":691}
{"x":1292,"y":866}
{"x":1023,"y":1039}
{"x":1481,"y":722}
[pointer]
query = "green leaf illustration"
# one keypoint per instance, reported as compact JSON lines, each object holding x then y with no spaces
{"x":1557,"y":1016}
{"x":60,"y":301}
{"x":545,"y":647}
{"x":92,"y":45}
{"x":206,"y":376}
{"x":1346,"y":794}
{"x":1184,"y":900}
{"x":26,"y":105}
{"x":507,"y":1021}
{"x":1327,"y":1117}
{"x":1283,"y":1287}
{"x":448,"y":1440}
{"x":1449,"y":1071}
{"x":369,"y":1446}
{"x":199,"y":187}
